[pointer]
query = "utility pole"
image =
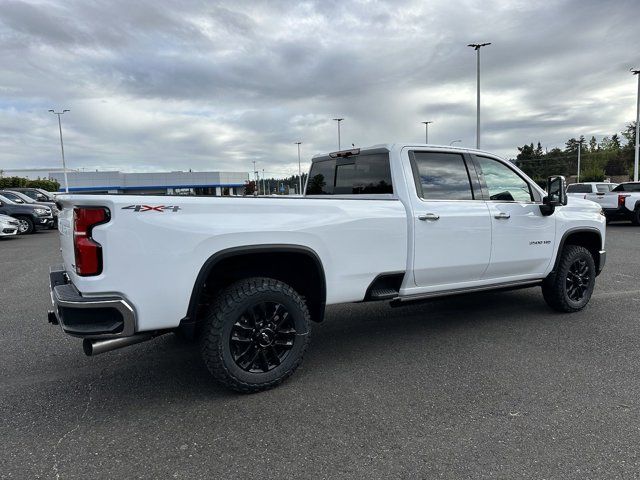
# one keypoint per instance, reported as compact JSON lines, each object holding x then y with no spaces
{"x":477,"y":47}
{"x":637,"y":146}
{"x":264,"y":190}
{"x":579,"y":151}
{"x":64,"y":165}
{"x":300,"y":168}
{"x":426,"y":132}
{"x":338,"y":120}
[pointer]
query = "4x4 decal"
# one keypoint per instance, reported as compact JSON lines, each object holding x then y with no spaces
{"x":151,"y":208}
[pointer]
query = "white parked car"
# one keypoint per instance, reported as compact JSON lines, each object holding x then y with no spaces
{"x":8,"y":226}
{"x":622,"y":203}
{"x":248,"y":276}
{"x":590,"y":190}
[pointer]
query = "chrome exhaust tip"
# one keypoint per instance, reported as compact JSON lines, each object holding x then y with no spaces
{"x":96,"y":347}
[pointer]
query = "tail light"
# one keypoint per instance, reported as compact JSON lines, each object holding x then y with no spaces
{"x":621,"y":200}
{"x":88,"y":252}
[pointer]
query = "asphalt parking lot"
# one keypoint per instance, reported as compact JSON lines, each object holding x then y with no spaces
{"x":484,"y":386}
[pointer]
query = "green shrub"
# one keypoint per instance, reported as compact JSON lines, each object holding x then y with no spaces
{"x":592,"y":173}
{"x":44,"y":184}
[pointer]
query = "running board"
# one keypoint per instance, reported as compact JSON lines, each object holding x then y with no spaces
{"x":460,"y":291}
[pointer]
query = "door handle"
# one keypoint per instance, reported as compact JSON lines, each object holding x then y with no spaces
{"x":428,"y":216}
{"x":502,"y":216}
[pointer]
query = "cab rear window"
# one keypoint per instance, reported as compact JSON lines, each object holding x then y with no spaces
{"x":579,"y":188}
{"x":354,"y":175}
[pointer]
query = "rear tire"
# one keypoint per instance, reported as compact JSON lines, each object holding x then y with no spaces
{"x":255,"y":334}
{"x":570,"y":287}
{"x":26,"y":225}
{"x":635,"y":217}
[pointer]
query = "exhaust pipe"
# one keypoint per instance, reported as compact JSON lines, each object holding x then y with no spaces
{"x":96,"y":347}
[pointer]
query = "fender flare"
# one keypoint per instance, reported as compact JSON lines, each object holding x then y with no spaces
{"x":566,"y":235}
{"x":217,"y":257}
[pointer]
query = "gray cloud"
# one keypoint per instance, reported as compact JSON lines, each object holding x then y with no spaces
{"x":171,"y":84}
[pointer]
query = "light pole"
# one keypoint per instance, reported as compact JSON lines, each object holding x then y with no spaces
{"x":299,"y":168}
{"x":338,"y":120}
{"x":454,"y":141}
{"x":264,"y":190}
{"x":579,"y":151}
{"x":426,"y":132}
{"x":255,"y":176}
{"x":477,"y":47}
{"x":64,"y":165}
{"x":637,"y":146}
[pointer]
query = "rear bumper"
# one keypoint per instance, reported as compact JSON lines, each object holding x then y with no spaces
{"x":617,"y":213}
{"x":91,"y":317}
{"x":602,"y":260}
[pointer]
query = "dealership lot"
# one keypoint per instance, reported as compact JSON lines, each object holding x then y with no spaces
{"x":483,"y":386}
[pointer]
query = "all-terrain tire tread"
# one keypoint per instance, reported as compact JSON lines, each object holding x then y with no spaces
{"x":553,"y":289}
{"x":211,"y":338}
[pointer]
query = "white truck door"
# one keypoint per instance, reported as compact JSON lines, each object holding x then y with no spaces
{"x":523,"y":239}
{"x":452,"y":227}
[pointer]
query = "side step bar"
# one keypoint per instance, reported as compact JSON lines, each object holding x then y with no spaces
{"x":396,"y":302}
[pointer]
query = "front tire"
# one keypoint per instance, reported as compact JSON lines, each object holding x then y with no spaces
{"x":26,"y":225}
{"x":569,"y":289}
{"x":255,"y":334}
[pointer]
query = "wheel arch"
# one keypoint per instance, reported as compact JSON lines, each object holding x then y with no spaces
{"x":587,"y":237}
{"x":262,"y":260}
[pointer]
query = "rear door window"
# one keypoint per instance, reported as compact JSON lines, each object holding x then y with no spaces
{"x":441,"y":176}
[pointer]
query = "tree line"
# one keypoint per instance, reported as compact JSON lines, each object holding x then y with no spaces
{"x":44,"y":184}
{"x":613,"y":155}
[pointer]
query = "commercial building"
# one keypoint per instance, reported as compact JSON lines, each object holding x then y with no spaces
{"x":157,"y":183}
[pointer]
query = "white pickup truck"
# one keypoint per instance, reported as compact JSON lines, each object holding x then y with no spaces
{"x":248,"y":276}
{"x":622,"y":203}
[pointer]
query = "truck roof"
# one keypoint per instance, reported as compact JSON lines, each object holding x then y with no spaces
{"x":388,"y":147}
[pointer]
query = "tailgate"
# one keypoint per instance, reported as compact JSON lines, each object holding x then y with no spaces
{"x":605,"y":200}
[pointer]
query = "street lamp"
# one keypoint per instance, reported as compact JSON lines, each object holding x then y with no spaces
{"x":477,"y":47}
{"x":426,"y":132}
{"x":637,"y":146}
{"x":454,"y":141}
{"x":64,"y":165}
{"x":299,"y":168}
{"x":579,"y":151}
{"x":338,"y":120}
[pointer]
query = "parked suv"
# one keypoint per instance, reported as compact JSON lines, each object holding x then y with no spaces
{"x":21,"y":198}
{"x":29,"y":217}
{"x":40,"y":196}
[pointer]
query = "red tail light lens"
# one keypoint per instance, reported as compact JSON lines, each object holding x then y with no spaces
{"x":88,"y":251}
{"x":621,"y":200}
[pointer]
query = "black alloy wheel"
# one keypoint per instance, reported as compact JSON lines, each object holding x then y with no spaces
{"x":254,"y":334}
{"x":262,"y":337}
{"x":578,"y":280}
{"x":570,"y":286}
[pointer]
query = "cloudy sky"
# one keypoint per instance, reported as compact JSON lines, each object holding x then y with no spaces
{"x":208,"y":85}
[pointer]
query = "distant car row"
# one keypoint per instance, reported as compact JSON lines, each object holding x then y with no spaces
{"x":618,"y":201}
{"x":23,"y":210}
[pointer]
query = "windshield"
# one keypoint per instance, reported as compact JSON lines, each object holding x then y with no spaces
{"x":20,"y":195}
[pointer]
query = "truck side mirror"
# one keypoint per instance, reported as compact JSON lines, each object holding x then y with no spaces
{"x":556,"y":195}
